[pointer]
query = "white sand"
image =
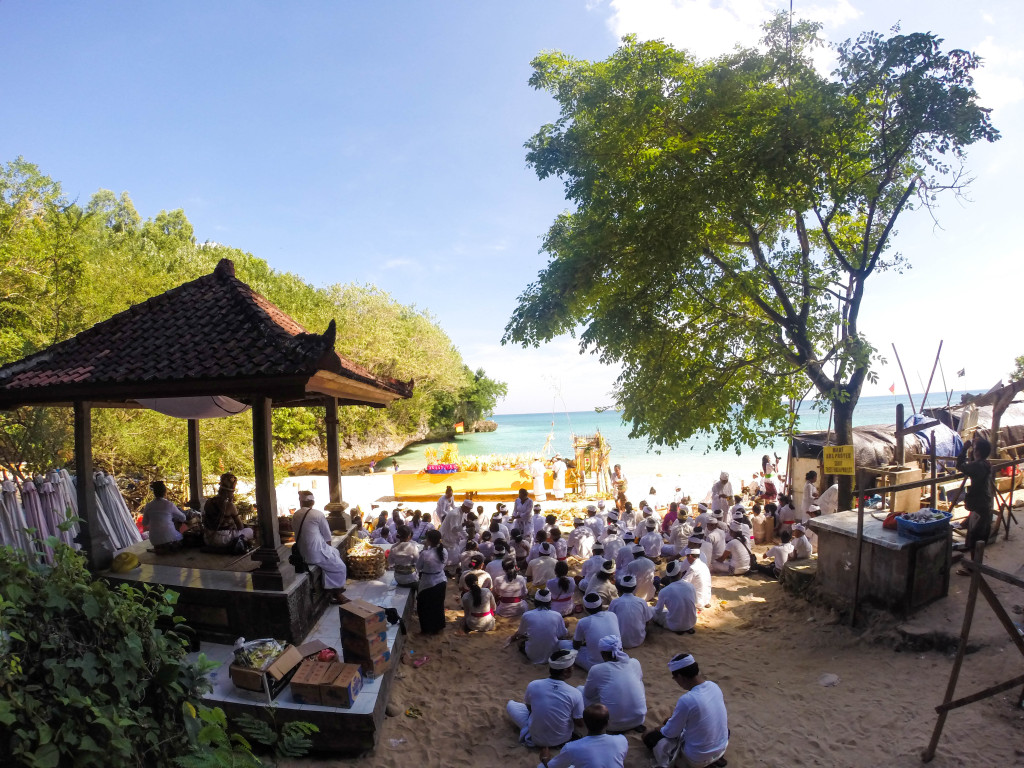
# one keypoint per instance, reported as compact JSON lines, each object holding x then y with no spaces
{"x":767,"y":650}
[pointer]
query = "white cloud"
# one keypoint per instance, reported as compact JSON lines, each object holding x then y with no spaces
{"x":398,"y":263}
{"x":997,"y":81}
{"x":710,"y":28}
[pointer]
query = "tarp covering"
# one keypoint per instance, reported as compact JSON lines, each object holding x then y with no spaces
{"x":947,"y":442}
{"x":873,"y":446}
{"x":1011,"y":423}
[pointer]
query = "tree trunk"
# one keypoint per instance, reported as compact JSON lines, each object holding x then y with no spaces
{"x":844,"y":436}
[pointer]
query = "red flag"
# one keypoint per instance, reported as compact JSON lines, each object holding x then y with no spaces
{"x":892,"y":388}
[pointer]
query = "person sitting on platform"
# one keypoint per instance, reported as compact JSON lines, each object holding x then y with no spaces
{"x":313,"y":538}
{"x":221,"y":524}
{"x":802,"y":547}
{"x":159,"y":517}
{"x":359,"y":532}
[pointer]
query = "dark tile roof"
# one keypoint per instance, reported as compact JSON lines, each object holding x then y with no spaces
{"x":215,"y":328}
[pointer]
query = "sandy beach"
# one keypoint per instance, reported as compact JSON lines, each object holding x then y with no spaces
{"x":769,"y":651}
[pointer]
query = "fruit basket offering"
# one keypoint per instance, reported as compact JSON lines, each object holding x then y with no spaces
{"x":364,"y":561}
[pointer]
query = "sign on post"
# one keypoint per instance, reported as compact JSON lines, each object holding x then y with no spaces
{"x":839,"y":460}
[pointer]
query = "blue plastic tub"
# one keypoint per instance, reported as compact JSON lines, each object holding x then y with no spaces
{"x":910,"y":528}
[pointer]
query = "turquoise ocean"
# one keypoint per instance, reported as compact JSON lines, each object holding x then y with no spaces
{"x":693,"y":465}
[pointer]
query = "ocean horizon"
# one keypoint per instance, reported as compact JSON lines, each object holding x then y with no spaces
{"x":692,"y":465}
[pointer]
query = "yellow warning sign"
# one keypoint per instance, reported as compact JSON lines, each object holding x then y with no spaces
{"x":839,"y":460}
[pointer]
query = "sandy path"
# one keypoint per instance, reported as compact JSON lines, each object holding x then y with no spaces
{"x":767,"y":650}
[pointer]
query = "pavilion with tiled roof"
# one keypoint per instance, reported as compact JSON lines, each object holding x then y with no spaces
{"x":211,"y":337}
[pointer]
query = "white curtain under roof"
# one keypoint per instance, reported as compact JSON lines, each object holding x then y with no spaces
{"x":205,"y":407}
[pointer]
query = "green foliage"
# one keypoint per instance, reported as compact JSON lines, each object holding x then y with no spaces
{"x":475,"y":400}
{"x":1018,"y":369}
{"x":212,"y":746}
{"x":728,"y":214}
{"x":87,"y":678}
{"x":65,"y":268}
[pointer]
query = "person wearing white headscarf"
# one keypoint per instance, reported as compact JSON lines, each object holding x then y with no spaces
{"x":697,"y":732}
{"x":551,"y":709}
{"x":618,"y":683}
{"x":677,"y":603}
{"x":632,"y":613}
{"x":721,"y":493}
{"x":581,"y":539}
{"x":590,"y":629}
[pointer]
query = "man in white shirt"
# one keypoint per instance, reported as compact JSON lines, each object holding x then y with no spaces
{"x":537,"y":473}
{"x":618,"y":683}
{"x":445,"y":504}
{"x":696,"y":572}
{"x":716,"y":535}
{"x":551,"y":708}
{"x":677,"y":602}
{"x":642,"y":569}
{"x":313,"y":537}
{"x":721,"y":493}
{"x":542,"y":567}
{"x":540,"y":629}
{"x":591,"y":566}
{"x":632,"y":613}
{"x":581,"y":540}
{"x":612,"y":543}
{"x":703,"y":516}
{"x":775,"y":558}
{"x":522,"y":514}
{"x":802,"y":547}
{"x":698,"y":729}
{"x":651,"y":541}
{"x":735,"y":561}
{"x":558,"y":469}
{"x":828,"y":502}
{"x":590,"y":629}
{"x":595,"y":522}
{"x":595,"y":750}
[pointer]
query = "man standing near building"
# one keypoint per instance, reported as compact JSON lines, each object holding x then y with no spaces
{"x":698,"y":729}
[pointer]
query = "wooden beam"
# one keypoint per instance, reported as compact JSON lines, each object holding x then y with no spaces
{"x":195,"y":464}
{"x":90,"y":534}
{"x":333,"y":451}
{"x":274,"y":572}
{"x":333,"y":385}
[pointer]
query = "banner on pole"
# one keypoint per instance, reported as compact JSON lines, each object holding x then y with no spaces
{"x":839,"y":460}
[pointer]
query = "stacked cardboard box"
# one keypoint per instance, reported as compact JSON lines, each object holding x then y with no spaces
{"x":364,"y":637}
{"x":325,"y":683}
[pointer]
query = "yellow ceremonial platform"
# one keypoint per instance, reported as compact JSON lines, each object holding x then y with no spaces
{"x":495,"y":484}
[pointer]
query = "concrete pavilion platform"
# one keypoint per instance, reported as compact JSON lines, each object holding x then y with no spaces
{"x":219,"y":595}
{"x":342,"y":731}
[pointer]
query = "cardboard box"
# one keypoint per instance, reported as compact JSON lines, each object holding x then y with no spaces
{"x":308,"y":678}
{"x":344,"y":688}
{"x":277,"y":674}
{"x":362,"y":618}
{"x":365,"y":646}
{"x":375,"y":667}
{"x":312,"y":648}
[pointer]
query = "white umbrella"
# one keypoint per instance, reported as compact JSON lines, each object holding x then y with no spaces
{"x":36,"y":517}
{"x":12,"y":519}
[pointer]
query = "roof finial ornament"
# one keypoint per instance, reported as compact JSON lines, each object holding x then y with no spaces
{"x":225,"y":268}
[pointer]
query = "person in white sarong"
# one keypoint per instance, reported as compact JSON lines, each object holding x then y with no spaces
{"x":537,"y":473}
{"x":558,"y":469}
{"x":313,"y":535}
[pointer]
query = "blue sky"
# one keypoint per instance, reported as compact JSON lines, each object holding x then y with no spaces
{"x":383,"y":143}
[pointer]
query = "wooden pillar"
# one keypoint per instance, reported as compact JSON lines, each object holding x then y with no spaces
{"x":90,"y":535}
{"x":333,"y":457}
{"x":195,"y":464}
{"x":274,"y":572}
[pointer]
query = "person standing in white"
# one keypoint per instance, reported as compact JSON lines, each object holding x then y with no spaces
{"x":721,"y":493}
{"x":313,"y":536}
{"x":445,"y":504}
{"x":698,"y":729}
{"x":537,"y":473}
{"x":558,"y":469}
{"x":618,"y":683}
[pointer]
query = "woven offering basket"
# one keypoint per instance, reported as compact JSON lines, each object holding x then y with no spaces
{"x":364,"y":562}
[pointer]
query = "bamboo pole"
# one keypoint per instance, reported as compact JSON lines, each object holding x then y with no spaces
{"x":860,"y":547}
{"x":934,"y":366}
{"x":907,"y":386}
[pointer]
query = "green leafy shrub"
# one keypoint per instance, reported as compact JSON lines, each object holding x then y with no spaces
{"x":86,"y":677}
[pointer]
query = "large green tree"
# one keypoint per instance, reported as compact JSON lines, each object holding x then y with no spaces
{"x":729,"y":213}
